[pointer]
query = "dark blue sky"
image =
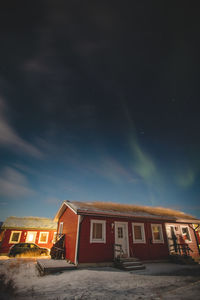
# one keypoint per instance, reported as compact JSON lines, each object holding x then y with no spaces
{"x":98,"y":102}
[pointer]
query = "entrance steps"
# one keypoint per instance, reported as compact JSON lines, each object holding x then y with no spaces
{"x":129,"y":264}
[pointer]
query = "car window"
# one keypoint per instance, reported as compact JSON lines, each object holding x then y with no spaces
{"x":32,"y":246}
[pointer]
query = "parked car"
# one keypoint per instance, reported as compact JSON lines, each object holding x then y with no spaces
{"x":27,"y":249}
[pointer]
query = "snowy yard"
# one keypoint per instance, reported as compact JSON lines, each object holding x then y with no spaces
{"x":157,"y":281}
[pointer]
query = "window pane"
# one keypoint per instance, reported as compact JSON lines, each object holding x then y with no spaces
{"x":43,"y":237}
{"x":97,"y":231}
{"x":185,"y":232}
{"x":120,"y":232}
{"x":15,"y":237}
{"x":156,"y":232}
{"x":30,"y":237}
{"x":138,"y":232}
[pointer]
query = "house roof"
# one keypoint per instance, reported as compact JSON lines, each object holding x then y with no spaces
{"x":125,"y":210}
{"x":29,"y":223}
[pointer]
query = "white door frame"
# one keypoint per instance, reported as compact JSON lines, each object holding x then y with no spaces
{"x":126,"y":232}
{"x":169,"y":238}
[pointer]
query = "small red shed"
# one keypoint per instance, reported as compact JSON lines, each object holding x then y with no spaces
{"x":94,"y":231}
{"x":40,"y":231}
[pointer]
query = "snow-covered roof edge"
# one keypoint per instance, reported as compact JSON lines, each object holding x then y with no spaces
{"x":29,"y":223}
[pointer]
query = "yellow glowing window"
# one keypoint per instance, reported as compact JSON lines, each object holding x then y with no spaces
{"x":31,"y":235}
{"x":43,"y":238}
{"x":157,"y":233}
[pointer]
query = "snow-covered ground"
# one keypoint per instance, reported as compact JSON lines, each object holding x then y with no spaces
{"x":157,"y":281}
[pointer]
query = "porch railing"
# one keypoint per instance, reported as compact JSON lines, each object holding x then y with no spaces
{"x":181,"y":249}
{"x":58,"y":249}
{"x":118,"y":251}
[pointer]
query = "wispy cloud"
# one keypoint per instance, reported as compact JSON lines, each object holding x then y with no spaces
{"x":14,"y":184}
{"x":111,"y":169}
{"x":10,"y":138}
{"x":185,"y":178}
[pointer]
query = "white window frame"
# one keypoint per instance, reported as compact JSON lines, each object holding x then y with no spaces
{"x":103,"y":240}
{"x":186,"y":226}
{"x":161,"y":233}
{"x":14,"y":242}
{"x":42,"y":232}
{"x":60,"y":226}
{"x":143,"y":240}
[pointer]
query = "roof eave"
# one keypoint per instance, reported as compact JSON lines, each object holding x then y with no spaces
{"x":62,"y":208}
{"x":126,"y":215}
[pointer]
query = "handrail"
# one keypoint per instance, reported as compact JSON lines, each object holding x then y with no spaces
{"x":120,"y":250}
{"x":181,"y":249}
{"x":58,"y":249}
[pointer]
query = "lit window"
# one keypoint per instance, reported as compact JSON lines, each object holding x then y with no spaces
{"x":15,"y":237}
{"x":31,"y":235}
{"x":98,"y":231}
{"x":157,"y":233}
{"x":43,"y":238}
{"x":186,"y":233}
{"x":138,"y":233}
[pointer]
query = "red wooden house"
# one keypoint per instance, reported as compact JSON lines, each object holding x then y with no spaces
{"x":40,"y":231}
{"x":94,"y":231}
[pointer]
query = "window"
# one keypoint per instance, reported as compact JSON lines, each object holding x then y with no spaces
{"x":138,"y":233}
{"x":15,"y":237}
{"x":43,"y":238}
{"x":120,"y":232}
{"x":186,"y":233}
{"x":60,"y":231}
{"x":157,"y":233}
{"x":97,"y":231}
{"x":31,"y":235}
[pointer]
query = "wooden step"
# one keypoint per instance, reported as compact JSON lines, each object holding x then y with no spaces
{"x":132,"y":268}
{"x":129,"y":264}
{"x":128,"y":259}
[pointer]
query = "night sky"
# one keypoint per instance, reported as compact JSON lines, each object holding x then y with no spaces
{"x":99,"y":101}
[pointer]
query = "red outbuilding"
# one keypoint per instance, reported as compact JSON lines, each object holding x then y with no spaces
{"x":99,"y":232}
{"x":40,"y":231}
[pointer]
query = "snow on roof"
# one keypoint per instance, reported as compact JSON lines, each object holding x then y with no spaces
{"x":117,"y":209}
{"x":29,"y":223}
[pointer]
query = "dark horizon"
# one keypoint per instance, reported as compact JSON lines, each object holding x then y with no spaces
{"x":98,"y":102}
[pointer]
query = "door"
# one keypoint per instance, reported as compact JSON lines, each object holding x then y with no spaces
{"x":171,"y":238}
{"x":31,"y":236}
{"x":121,"y":237}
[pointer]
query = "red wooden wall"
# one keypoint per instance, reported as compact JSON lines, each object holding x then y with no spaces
{"x":102,"y":252}
{"x":70,"y":221}
{"x":5,"y":245}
